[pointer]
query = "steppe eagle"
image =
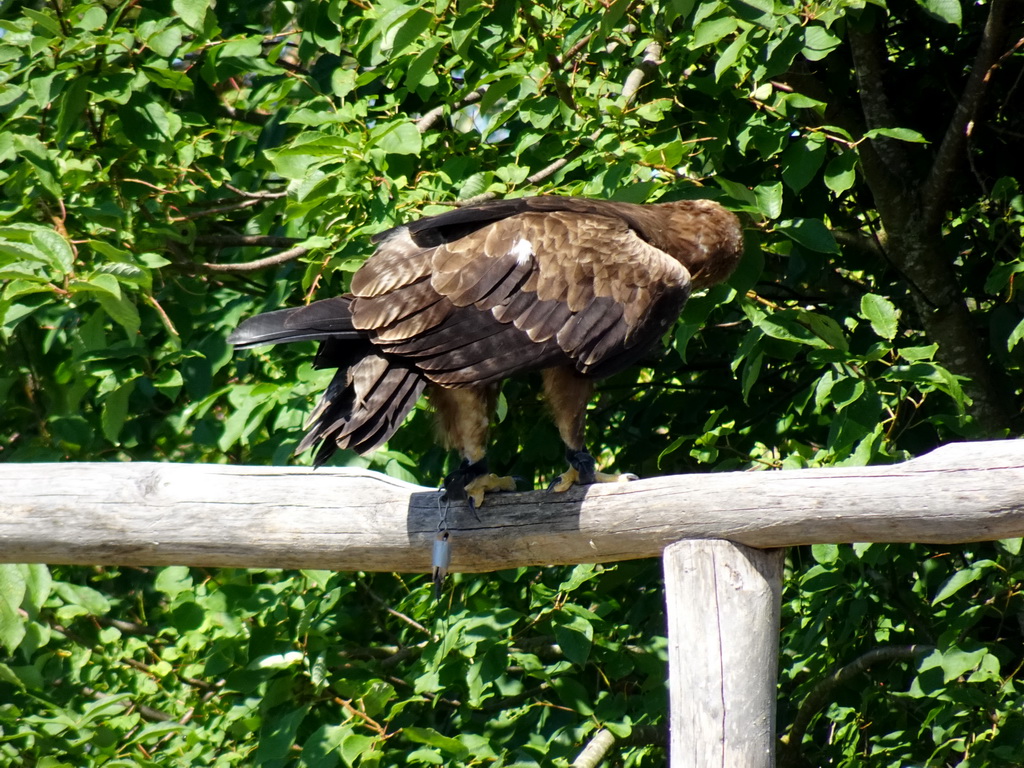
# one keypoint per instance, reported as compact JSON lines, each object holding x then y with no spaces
{"x":454,"y":303}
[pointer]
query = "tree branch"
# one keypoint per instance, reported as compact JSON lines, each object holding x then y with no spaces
{"x":427,"y":120}
{"x":264,"y":241}
{"x":554,"y":63}
{"x":820,"y":694}
{"x":647,"y":66}
{"x":883,"y":159}
{"x":596,"y":749}
{"x":251,"y":266}
{"x":226,"y":208}
{"x":935,"y":199}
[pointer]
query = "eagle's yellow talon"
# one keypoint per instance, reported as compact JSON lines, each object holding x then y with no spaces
{"x":476,"y":489}
{"x":571,"y":477}
{"x":565,"y":481}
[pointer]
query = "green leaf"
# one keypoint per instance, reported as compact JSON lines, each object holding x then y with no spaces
{"x":825,"y":553}
{"x":881,"y":313}
{"x":962,"y":578}
{"x":402,"y":32}
{"x":901,"y":134}
{"x":420,"y":71}
{"x":45,"y":21}
{"x":432,"y":738}
{"x":12,"y":591}
{"x":573,"y":695}
{"x":244,"y":47}
{"x":36,"y":153}
{"x":92,"y":601}
{"x":825,"y":328}
{"x":1013,"y":546}
{"x":38,"y":583}
{"x":728,"y":58}
{"x":956,"y":663}
{"x":801,"y":161}
{"x":169,"y":382}
{"x":810,"y":233}
{"x":580,"y":575}
{"x":400,"y":138}
{"x":769,"y":199}
{"x":713,"y":30}
{"x":356,"y":746}
{"x":574,"y":635}
{"x":166,"y":42}
{"x":654,"y":111}
{"x":122,"y":311}
{"x":955,"y":583}
{"x":818,"y":42}
{"x":1015,"y":336}
{"x":947,"y":11}
{"x":192,"y":12}
{"x":173,"y":580}
{"x":278,"y":660}
{"x":115,"y":410}
{"x":840,"y":173}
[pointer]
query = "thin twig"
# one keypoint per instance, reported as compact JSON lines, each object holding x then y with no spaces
{"x":251,"y":266}
{"x":152,"y":301}
{"x":261,"y":195}
{"x":264,"y":241}
{"x":355,"y":711}
{"x":234,"y":206}
{"x":397,"y":614}
{"x":147,"y":712}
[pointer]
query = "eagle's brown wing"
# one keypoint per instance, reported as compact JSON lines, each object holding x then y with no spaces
{"x":528,"y":291}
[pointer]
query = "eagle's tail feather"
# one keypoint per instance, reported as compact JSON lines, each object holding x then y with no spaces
{"x":326,"y":319}
{"x":368,"y":397}
{"x":363,"y":406}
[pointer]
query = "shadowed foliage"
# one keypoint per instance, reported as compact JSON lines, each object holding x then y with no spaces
{"x":169,"y":168}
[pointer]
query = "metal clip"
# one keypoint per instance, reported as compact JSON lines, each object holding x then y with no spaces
{"x":442,"y":546}
{"x":442,"y":558}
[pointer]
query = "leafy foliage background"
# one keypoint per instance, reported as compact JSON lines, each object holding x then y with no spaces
{"x":169,"y":168}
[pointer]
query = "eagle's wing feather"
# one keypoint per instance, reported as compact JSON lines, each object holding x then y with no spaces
{"x":591,"y":278}
{"x":558,"y":287}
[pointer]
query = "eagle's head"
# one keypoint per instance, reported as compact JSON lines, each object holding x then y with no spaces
{"x":705,"y":237}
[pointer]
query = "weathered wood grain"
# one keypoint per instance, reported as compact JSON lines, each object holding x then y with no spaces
{"x":217,"y":515}
{"x":723,"y":649}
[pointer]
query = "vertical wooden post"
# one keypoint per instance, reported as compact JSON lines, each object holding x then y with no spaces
{"x":723,"y":635}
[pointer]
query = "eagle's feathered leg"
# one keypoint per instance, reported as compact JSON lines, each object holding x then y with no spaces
{"x":568,"y":394}
{"x":463,"y":417}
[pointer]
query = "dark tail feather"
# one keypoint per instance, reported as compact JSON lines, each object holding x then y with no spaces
{"x":368,"y":397}
{"x":326,"y":319}
{"x":363,"y":406}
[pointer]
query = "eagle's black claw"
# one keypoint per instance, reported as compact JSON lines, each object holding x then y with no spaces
{"x":455,"y":483}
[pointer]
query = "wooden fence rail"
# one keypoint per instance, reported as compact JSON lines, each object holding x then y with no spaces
{"x":289,"y":517}
{"x":722,"y":580}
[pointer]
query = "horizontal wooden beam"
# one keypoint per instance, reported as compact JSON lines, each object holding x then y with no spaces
{"x":290,"y":517}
